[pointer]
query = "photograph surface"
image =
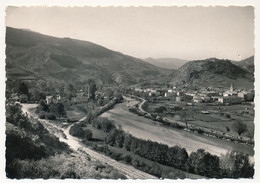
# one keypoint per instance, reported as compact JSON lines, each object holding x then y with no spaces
{"x":130,"y":92}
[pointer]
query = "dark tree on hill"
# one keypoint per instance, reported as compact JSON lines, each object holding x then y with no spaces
{"x":160,"y":109}
{"x":23,"y":89}
{"x":203,"y":163}
{"x":239,"y":127}
{"x":42,"y":106}
{"x":60,"y":109}
{"x":236,"y":165}
{"x":91,"y":89}
{"x":70,"y":91}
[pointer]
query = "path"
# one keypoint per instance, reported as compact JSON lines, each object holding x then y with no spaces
{"x":78,"y":146}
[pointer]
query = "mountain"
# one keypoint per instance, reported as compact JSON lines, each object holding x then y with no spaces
{"x":211,"y":72}
{"x":246,"y":64}
{"x":33,"y":56}
{"x":168,"y":63}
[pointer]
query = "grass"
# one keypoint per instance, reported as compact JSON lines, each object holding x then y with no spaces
{"x":144,"y":128}
{"x":216,"y":119}
{"x":169,"y":172}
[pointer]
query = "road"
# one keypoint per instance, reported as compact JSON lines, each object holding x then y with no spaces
{"x":75,"y":144}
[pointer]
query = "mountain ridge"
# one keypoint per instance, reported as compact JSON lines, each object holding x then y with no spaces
{"x":31,"y":54}
{"x":169,"y":63}
{"x":212,"y":71}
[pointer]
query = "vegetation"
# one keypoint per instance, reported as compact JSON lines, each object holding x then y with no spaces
{"x":32,"y":152}
{"x":239,"y":127}
{"x":77,"y":131}
{"x":27,"y":139}
{"x":201,"y":162}
{"x":50,"y":111}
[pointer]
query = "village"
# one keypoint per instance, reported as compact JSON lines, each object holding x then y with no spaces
{"x":203,"y":95}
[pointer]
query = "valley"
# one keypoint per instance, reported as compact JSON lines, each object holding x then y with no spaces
{"x":118,"y":116}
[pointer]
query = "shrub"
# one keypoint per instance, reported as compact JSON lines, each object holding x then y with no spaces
{"x":50,"y":116}
{"x":42,"y":115}
{"x":87,"y":134}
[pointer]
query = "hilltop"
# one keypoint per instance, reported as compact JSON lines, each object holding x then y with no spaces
{"x":33,"y":56}
{"x":211,"y":72}
{"x":246,"y":64}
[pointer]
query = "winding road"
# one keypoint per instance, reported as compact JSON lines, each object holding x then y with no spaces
{"x":75,"y":144}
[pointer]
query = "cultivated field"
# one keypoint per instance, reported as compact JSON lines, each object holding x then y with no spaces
{"x":219,"y":117}
{"x":147,"y":129}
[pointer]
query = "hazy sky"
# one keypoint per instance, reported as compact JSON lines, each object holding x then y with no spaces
{"x":177,"y":32}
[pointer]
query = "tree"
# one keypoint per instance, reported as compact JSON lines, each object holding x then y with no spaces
{"x":239,"y":127}
{"x":42,"y":106}
{"x":203,"y":163}
{"x":87,"y":134}
{"x":70,"y":91}
{"x":60,"y":109}
{"x":91,"y":89}
{"x":23,"y":89}
{"x":160,"y":109}
{"x":236,"y":165}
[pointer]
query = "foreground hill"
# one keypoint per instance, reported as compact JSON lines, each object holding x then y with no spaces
{"x":247,"y":64}
{"x":168,"y":63}
{"x":32,"y":151}
{"x":211,"y":72}
{"x":33,"y":56}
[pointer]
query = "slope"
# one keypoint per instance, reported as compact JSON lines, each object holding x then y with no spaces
{"x":246,"y":64}
{"x":211,"y":72}
{"x":34,"y":56}
{"x":168,"y":63}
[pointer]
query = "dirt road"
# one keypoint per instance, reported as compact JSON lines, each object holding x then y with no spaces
{"x":75,"y":144}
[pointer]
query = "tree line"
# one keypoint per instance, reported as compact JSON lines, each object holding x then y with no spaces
{"x":199,"y":162}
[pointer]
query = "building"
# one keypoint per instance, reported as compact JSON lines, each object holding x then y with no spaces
{"x":230,"y":100}
{"x":180,"y":93}
{"x":49,"y":99}
{"x":197,"y":99}
{"x":179,"y":98}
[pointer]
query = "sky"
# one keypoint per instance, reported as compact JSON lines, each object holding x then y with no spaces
{"x":189,"y":33}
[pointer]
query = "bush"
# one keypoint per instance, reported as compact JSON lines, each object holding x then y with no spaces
{"x":239,"y":127}
{"x":87,"y":134}
{"x":42,"y":115}
{"x":127,"y":158}
{"x":50,"y":116}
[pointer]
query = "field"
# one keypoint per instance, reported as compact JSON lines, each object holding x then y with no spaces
{"x":147,"y":129}
{"x":136,"y":160}
{"x":219,"y":117}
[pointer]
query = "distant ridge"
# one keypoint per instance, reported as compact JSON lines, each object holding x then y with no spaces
{"x":246,"y":64}
{"x":34,"y":56}
{"x":168,"y":63}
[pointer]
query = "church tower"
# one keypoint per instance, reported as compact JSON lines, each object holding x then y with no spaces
{"x":231,"y":87}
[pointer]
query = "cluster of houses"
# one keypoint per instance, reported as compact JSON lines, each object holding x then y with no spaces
{"x":53,"y":98}
{"x":209,"y":94}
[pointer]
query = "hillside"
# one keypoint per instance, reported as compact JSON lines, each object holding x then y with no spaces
{"x":33,"y":56}
{"x":168,"y":63}
{"x":211,"y":72}
{"x":246,"y":64}
{"x":33,"y":152}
